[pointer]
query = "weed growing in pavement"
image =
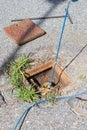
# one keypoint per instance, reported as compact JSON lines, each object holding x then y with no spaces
{"x":82,"y":77}
{"x":29,"y":94}
{"x":52,"y":95}
{"x":15,"y":71}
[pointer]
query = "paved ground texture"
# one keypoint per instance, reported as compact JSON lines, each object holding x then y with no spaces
{"x":73,"y":53}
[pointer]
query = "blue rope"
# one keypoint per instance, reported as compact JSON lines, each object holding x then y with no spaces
{"x":74,"y":0}
{"x":44,"y":101}
{"x":60,"y":98}
{"x":59,"y":43}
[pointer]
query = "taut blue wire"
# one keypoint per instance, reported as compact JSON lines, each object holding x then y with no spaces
{"x":44,"y":101}
{"x":60,"y":98}
{"x":59,"y":43}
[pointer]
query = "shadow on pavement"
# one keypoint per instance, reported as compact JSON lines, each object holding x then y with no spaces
{"x":56,"y":1}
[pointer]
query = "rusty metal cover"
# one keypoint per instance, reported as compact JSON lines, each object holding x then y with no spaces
{"x":24,"y":31}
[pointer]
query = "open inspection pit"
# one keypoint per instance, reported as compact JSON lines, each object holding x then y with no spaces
{"x":41,"y":75}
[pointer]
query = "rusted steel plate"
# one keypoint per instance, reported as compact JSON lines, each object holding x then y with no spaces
{"x":24,"y":31}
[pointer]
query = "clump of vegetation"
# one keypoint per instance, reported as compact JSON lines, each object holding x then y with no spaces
{"x":82,"y":77}
{"x":15,"y":71}
{"x":29,"y":95}
{"x":49,"y":93}
{"x":52,"y":95}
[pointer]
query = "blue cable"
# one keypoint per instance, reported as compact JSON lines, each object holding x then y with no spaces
{"x":74,"y":0}
{"x":44,"y":101}
{"x":59,"y":43}
{"x":60,"y":98}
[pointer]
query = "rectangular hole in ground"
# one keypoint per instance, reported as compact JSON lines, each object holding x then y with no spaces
{"x":43,"y":77}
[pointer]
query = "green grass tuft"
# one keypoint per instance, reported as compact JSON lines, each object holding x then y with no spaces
{"x":30,"y":95}
{"x":17,"y":79}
